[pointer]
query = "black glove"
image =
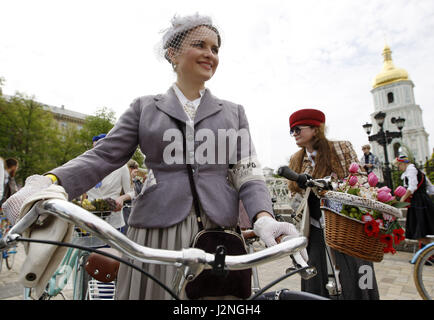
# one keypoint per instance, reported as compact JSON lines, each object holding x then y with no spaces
{"x":302,"y":179}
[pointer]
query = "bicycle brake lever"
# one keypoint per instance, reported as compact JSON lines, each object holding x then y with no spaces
{"x":299,"y":263}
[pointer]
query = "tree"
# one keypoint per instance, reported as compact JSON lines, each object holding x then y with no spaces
{"x":429,"y":168}
{"x":139,"y":158}
{"x":69,"y":144}
{"x":102,"y":122}
{"x":28,"y":133}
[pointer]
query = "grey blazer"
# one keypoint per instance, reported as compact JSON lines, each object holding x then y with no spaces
{"x":169,"y":200}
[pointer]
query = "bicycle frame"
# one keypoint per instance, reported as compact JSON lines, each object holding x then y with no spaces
{"x":191,"y":262}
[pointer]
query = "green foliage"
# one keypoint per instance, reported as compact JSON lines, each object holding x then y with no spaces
{"x":2,"y":81}
{"x":396,"y":177}
{"x":69,"y":144}
{"x":102,"y":122}
{"x":429,"y":168}
{"x":139,"y":157}
{"x":27,"y":133}
{"x":354,"y":191}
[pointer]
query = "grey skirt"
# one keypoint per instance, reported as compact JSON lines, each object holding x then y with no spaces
{"x":134,"y":285}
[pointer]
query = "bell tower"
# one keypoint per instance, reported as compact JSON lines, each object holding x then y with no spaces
{"x":393,"y":94}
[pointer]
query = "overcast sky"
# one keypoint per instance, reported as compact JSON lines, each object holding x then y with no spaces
{"x":276,"y":57}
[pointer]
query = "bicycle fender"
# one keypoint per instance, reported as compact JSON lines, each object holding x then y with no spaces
{"x":417,"y":254}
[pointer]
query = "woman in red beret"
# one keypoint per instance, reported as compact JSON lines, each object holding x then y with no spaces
{"x":319,"y":157}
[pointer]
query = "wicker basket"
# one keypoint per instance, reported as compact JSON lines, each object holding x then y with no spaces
{"x":348,"y":235}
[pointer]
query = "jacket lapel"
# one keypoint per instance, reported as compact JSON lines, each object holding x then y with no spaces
{"x":169,"y":104}
{"x":209,"y":105}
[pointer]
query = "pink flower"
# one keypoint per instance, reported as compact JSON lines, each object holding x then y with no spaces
{"x":353,"y":180}
{"x":400,"y":191}
{"x":354,"y":168}
{"x":385,"y":188}
{"x":372,"y":179}
{"x":384,"y":196}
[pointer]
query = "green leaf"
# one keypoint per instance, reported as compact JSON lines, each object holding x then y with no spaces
{"x":353,"y":191}
{"x":400,"y":205}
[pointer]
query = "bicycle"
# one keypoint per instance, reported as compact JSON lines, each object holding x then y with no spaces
{"x":324,"y":189}
{"x":423,"y":272}
{"x":190,"y":262}
{"x":8,"y":255}
{"x":73,"y":264}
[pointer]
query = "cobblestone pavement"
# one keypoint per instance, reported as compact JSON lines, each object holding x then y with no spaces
{"x":394,"y":276}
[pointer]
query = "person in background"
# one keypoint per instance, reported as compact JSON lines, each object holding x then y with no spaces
{"x":9,"y":184}
{"x":368,"y":160}
{"x":117,"y":186}
{"x":420,"y":214}
{"x":318,"y":157}
{"x":136,"y":180}
{"x":138,"y":176}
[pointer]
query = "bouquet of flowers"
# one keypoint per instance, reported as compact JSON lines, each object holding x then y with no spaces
{"x":97,"y":206}
{"x":377,"y":224}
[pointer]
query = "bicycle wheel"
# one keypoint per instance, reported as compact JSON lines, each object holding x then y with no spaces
{"x":1,"y":260}
{"x":286,"y":294}
{"x":81,"y":278}
{"x":10,"y":259}
{"x":424,"y":274}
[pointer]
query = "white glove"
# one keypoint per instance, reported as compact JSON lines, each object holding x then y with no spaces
{"x":268,"y":229}
{"x":33,"y":184}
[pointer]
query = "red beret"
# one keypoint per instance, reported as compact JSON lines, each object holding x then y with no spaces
{"x":308,"y":117}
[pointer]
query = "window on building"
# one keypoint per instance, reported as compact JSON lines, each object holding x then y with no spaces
{"x":397,"y":149}
{"x":390,"y":97}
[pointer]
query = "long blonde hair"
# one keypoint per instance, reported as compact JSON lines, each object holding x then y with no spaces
{"x":326,"y":159}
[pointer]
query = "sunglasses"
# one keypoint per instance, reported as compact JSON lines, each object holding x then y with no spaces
{"x":297,"y":129}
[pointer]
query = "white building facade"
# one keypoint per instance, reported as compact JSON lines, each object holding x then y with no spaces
{"x":393,"y":94}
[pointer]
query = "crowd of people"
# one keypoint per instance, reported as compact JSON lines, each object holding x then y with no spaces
{"x":158,"y":208}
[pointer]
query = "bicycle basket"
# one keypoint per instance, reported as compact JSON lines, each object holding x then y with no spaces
{"x":83,"y":238}
{"x":346,"y":234}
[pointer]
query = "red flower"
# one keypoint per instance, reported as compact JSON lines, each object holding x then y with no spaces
{"x":398,"y":235}
{"x":372,"y":228}
{"x":387,"y":239}
{"x":389,"y":249}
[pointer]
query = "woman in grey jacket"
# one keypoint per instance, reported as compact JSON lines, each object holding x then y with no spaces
{"x":218,"y":147}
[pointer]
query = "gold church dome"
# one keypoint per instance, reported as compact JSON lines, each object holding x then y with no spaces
{"x":390,"y":73}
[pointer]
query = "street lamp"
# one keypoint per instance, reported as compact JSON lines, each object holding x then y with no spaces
{"x":384,"y":138}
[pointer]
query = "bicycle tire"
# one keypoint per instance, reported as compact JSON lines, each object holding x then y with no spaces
{"x":286,"y":294}
{"x":418,"y":272}
{"x":81,"y":279}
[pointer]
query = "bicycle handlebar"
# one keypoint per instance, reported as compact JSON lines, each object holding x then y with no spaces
{"x":286,"y":172}
{"x":80,"y":217}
